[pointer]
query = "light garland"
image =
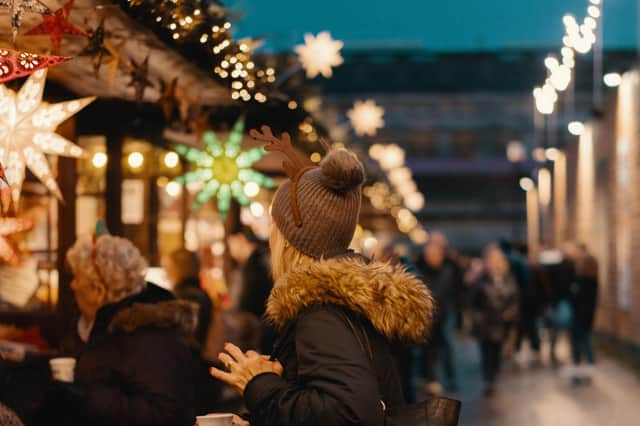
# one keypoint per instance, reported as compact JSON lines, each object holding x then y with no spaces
{"x":578,"y":38}
{"x":205,"y":35}
{"x":225,"y":170}
{"x":27,"y":132}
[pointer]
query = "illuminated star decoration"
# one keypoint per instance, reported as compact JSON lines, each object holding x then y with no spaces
{"x":57,"y":25}
{"x":319,"y":54}
{"x":140,"y":78}
{"x":224,"y":169}
{"x":8,"y":227}
{"x":15,"y":64}
{"x":366,"y":117}
{"x":19,"y":7}
{"x":27,"y":132}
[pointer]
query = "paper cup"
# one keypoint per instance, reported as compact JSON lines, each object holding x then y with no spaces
{"x":223,"y":419}
{"x":62,"y":369}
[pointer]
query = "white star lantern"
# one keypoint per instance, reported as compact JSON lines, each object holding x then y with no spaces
{"x":27,"y":132}
{"x":318,"y":54}
{"x":366,"y":117}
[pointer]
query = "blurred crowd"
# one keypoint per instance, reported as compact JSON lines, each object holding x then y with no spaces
{"x":502,"y":299}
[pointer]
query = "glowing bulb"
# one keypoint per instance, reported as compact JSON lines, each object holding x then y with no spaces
{"x":612,"y":79}
{"x":526,"y":184}
{"x":251,"y":189}
{"x":135,"y":160}
{"x":551,"y":63}
{"x":173,"y":189}
{"x":552,"y":154}
{"x":576,"y":128}
{"x":257,"y":209}
{"x":171,"y":160}
{"x":99,"y":160}
{"x":594,"y":11}
{"x":316,"y":157}
{"x":414,"y":201}
{"x":516,"y":152}
{"x":539,"y":155}
{"x":292,"y":105}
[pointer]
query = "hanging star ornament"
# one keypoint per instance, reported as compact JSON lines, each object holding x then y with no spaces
{"x":366,"y":117}
{"x":15,"y":64}
{"x":140,"y":78}
{"x":168,"y":101}
{"x":319,"y":54}
{"x":19,"y":7}
{"x":27,"y":132}
{"x":96,"y":47}
{"x":116,"y":60}
{"x":10,"y":226}
{"x":224,"y":169}
{"x":57,"y":25}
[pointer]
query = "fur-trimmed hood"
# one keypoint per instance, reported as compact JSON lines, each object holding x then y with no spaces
{"x":397,"y":303}
{"x":176,"y":314}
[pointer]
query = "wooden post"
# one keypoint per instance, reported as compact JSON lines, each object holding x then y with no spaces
{"x":113,"y":191}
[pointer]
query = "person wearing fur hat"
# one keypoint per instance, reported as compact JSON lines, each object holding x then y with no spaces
{"x":137,"y":367}
{"x":338,"y":314}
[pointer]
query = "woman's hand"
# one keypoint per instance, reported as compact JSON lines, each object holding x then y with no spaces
{"x":243,"y":367}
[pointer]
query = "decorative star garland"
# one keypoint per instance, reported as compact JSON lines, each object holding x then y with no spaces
{"x":19,"y":7}
{"x":15,"y":64}
{"x":224,"y":169}
{"x":57,"y":25}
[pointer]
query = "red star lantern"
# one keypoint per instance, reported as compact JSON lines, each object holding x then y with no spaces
{"x":57,"y":25}
{"x":8,"y":227}
{"x":15,"y":64}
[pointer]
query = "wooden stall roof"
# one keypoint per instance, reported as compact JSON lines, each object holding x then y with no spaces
{"x":78,"y":74}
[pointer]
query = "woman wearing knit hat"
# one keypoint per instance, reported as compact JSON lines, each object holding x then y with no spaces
{"x":338,"y":314}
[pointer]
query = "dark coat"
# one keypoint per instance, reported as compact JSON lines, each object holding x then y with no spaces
{"x":584,"y":298}
{"x":492,"y":300}
{"x":328,"y":378}
{"x":256,"y":282}
{"x":136,"y":369}
{"x":189,"y":289}
{"x":444,"y":285}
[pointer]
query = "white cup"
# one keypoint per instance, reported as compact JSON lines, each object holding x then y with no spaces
{"x":222,"y":419}
{"x":62,"y":369}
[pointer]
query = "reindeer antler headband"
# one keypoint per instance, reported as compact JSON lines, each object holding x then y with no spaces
{"x":293,"y":165}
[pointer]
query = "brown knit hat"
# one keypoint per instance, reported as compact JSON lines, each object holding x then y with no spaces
{"x":317,"y":208}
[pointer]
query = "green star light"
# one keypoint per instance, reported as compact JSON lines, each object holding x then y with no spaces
{"x":224,"y":169}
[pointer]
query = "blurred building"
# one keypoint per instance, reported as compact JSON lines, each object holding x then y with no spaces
{"x":454,"y":114}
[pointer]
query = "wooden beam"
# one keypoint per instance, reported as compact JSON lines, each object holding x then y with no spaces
{"x":113,"y":191}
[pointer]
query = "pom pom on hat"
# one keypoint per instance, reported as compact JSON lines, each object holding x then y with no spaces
{"x":341,"y":171}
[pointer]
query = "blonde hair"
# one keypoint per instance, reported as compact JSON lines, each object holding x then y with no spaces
{"x":121,"y":267}
{"x":284,"y":256}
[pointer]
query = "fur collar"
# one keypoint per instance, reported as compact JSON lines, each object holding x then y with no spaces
{"x":176,"y":314}
{"x":396,"y":302}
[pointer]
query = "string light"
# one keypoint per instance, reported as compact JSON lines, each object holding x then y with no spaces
{"x":99,"y":160}
{"x":171,"y":160}
{"x":135,"y":160}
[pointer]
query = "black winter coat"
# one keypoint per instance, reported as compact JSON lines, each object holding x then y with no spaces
{"x":189,"y":289}
{"x":138,"y":367}
{"x":584,"y":298}
{"x":328,"y":378}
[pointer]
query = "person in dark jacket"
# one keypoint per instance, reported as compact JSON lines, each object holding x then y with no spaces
{"x":495,"y":312}
{"x":337,"y":313}
{"x":584,"y":298}
{"x":137,"y":367}
{"x":183,"y":270}
{"x":441,"y":278}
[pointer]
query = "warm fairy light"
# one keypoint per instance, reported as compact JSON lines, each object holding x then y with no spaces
{"x":516,"y":152}
{"x":292,"y":105}
{"x":576,"y":128}
{"x":527,"y":184}
{"x":173,"y":189}
{"x":257,"y":209}
{"x":319,"y":54}
{"x":594,"y":11}
{"x":552,"y":154}
{"x":539,"y":155}
{"x":135,"y":160}
{"x":419,"y":236}
{"x":366,"y":117}
{"x":612,"y":79}
{"x":260,"y":97}
{"x":414,"y":201}
{"x":224,"y":169}
{"x":99,"y":160}
{"x":27,"y":132}
{"x":316,"y":157}
{"x":171,"y":160}
{"x":251,"y":189}
{"x":393,"y":157}
{"x":217,"y":248}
